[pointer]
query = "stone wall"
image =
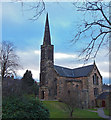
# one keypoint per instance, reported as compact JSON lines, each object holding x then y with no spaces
{"x":64,"y":82}
{"x":46,"y":72}
{"x":55,"y":86}
{"x":91,"y":86}
{"x":85,"y":85}
{"x":43,"y":93}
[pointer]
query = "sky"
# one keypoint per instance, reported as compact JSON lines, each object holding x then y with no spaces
{"x":27,"y":36}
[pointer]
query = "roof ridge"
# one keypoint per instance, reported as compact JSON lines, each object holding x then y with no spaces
{"x":76,"y":72}
{"x":74,"y":68}
{"x":83,"y":66}
{"x":63,"y":67}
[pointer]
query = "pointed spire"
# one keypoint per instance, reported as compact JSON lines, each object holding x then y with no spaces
{"x":47,"y":39}
{"x":94,"y":62}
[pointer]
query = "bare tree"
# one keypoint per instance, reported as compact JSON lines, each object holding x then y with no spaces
{"x":38,"y":7}
{"x":95,"y":25}
{"x":72,"y":98}
{"x":9,"y":61}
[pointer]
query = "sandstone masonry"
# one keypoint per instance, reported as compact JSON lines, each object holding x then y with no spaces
{"x":55,"y":79}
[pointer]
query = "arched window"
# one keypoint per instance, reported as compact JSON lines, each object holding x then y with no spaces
{"x":77,"y":86}
{"x":95,"y":92}
{"x":42,"y":94}
{"x":95,"y":79}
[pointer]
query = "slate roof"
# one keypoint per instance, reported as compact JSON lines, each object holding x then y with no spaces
{"x":106,"y":87}
{"x":77,"y":72}
{"x":103,"y":95}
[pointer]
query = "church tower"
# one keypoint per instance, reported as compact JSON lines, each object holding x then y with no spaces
{"x":46,"y":65}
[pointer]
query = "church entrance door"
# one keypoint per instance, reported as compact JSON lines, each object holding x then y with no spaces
{"x":103,"y":103}
{"x":42,"y":95}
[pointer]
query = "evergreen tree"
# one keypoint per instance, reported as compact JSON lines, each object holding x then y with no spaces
{"x":27,"y":83}
{"x":27,"y":78}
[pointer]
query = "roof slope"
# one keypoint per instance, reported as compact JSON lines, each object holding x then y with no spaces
{"x":77,"y":72}
{"x":64,"y":72}
{"x":103,"y":95}
{"x":83,"y":71}
{"x":106,"y":87}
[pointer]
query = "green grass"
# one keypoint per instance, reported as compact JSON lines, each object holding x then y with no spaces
{"x":78,"y":113}
{"x":106,"y":112}
{"x":58,"y":110}
{"x":94,"y":109}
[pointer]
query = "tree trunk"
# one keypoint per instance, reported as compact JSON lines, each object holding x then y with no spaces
{"x":71,"y":113}
{"x":3,"y":70}
{"x":3,"y":73}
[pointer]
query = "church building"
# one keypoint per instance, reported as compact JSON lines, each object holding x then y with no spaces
{"x":54,"y":79}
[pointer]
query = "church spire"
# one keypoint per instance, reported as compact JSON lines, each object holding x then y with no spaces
{"x":94,"y":63}
{"x":47,"y":39}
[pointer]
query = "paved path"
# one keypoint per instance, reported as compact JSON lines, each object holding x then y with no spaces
{"x":101,"y":114}
{"x":92,"y":111}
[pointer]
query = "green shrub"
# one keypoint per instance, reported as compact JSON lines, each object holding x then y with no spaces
{"x":23,"y":107}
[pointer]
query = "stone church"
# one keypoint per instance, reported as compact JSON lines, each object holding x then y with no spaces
{"x":54,"y":79}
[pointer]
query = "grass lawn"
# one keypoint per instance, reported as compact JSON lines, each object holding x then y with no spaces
{"x":106,"y":112}
{"x":58,"y":110}
{"x":94,"y":109}
{"x":79,"y":113}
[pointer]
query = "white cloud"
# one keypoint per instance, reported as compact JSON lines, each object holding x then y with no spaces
{"x":37,"y":52}
{"x":64,"y":56}
{"x":31,"y":61}
{"x":105,"y":74}
{"x":35,"y":73}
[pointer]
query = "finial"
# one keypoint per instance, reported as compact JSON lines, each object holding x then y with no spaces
{"x":47,"y":21}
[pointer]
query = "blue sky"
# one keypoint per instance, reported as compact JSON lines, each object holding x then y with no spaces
{"x":27,"y":36}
